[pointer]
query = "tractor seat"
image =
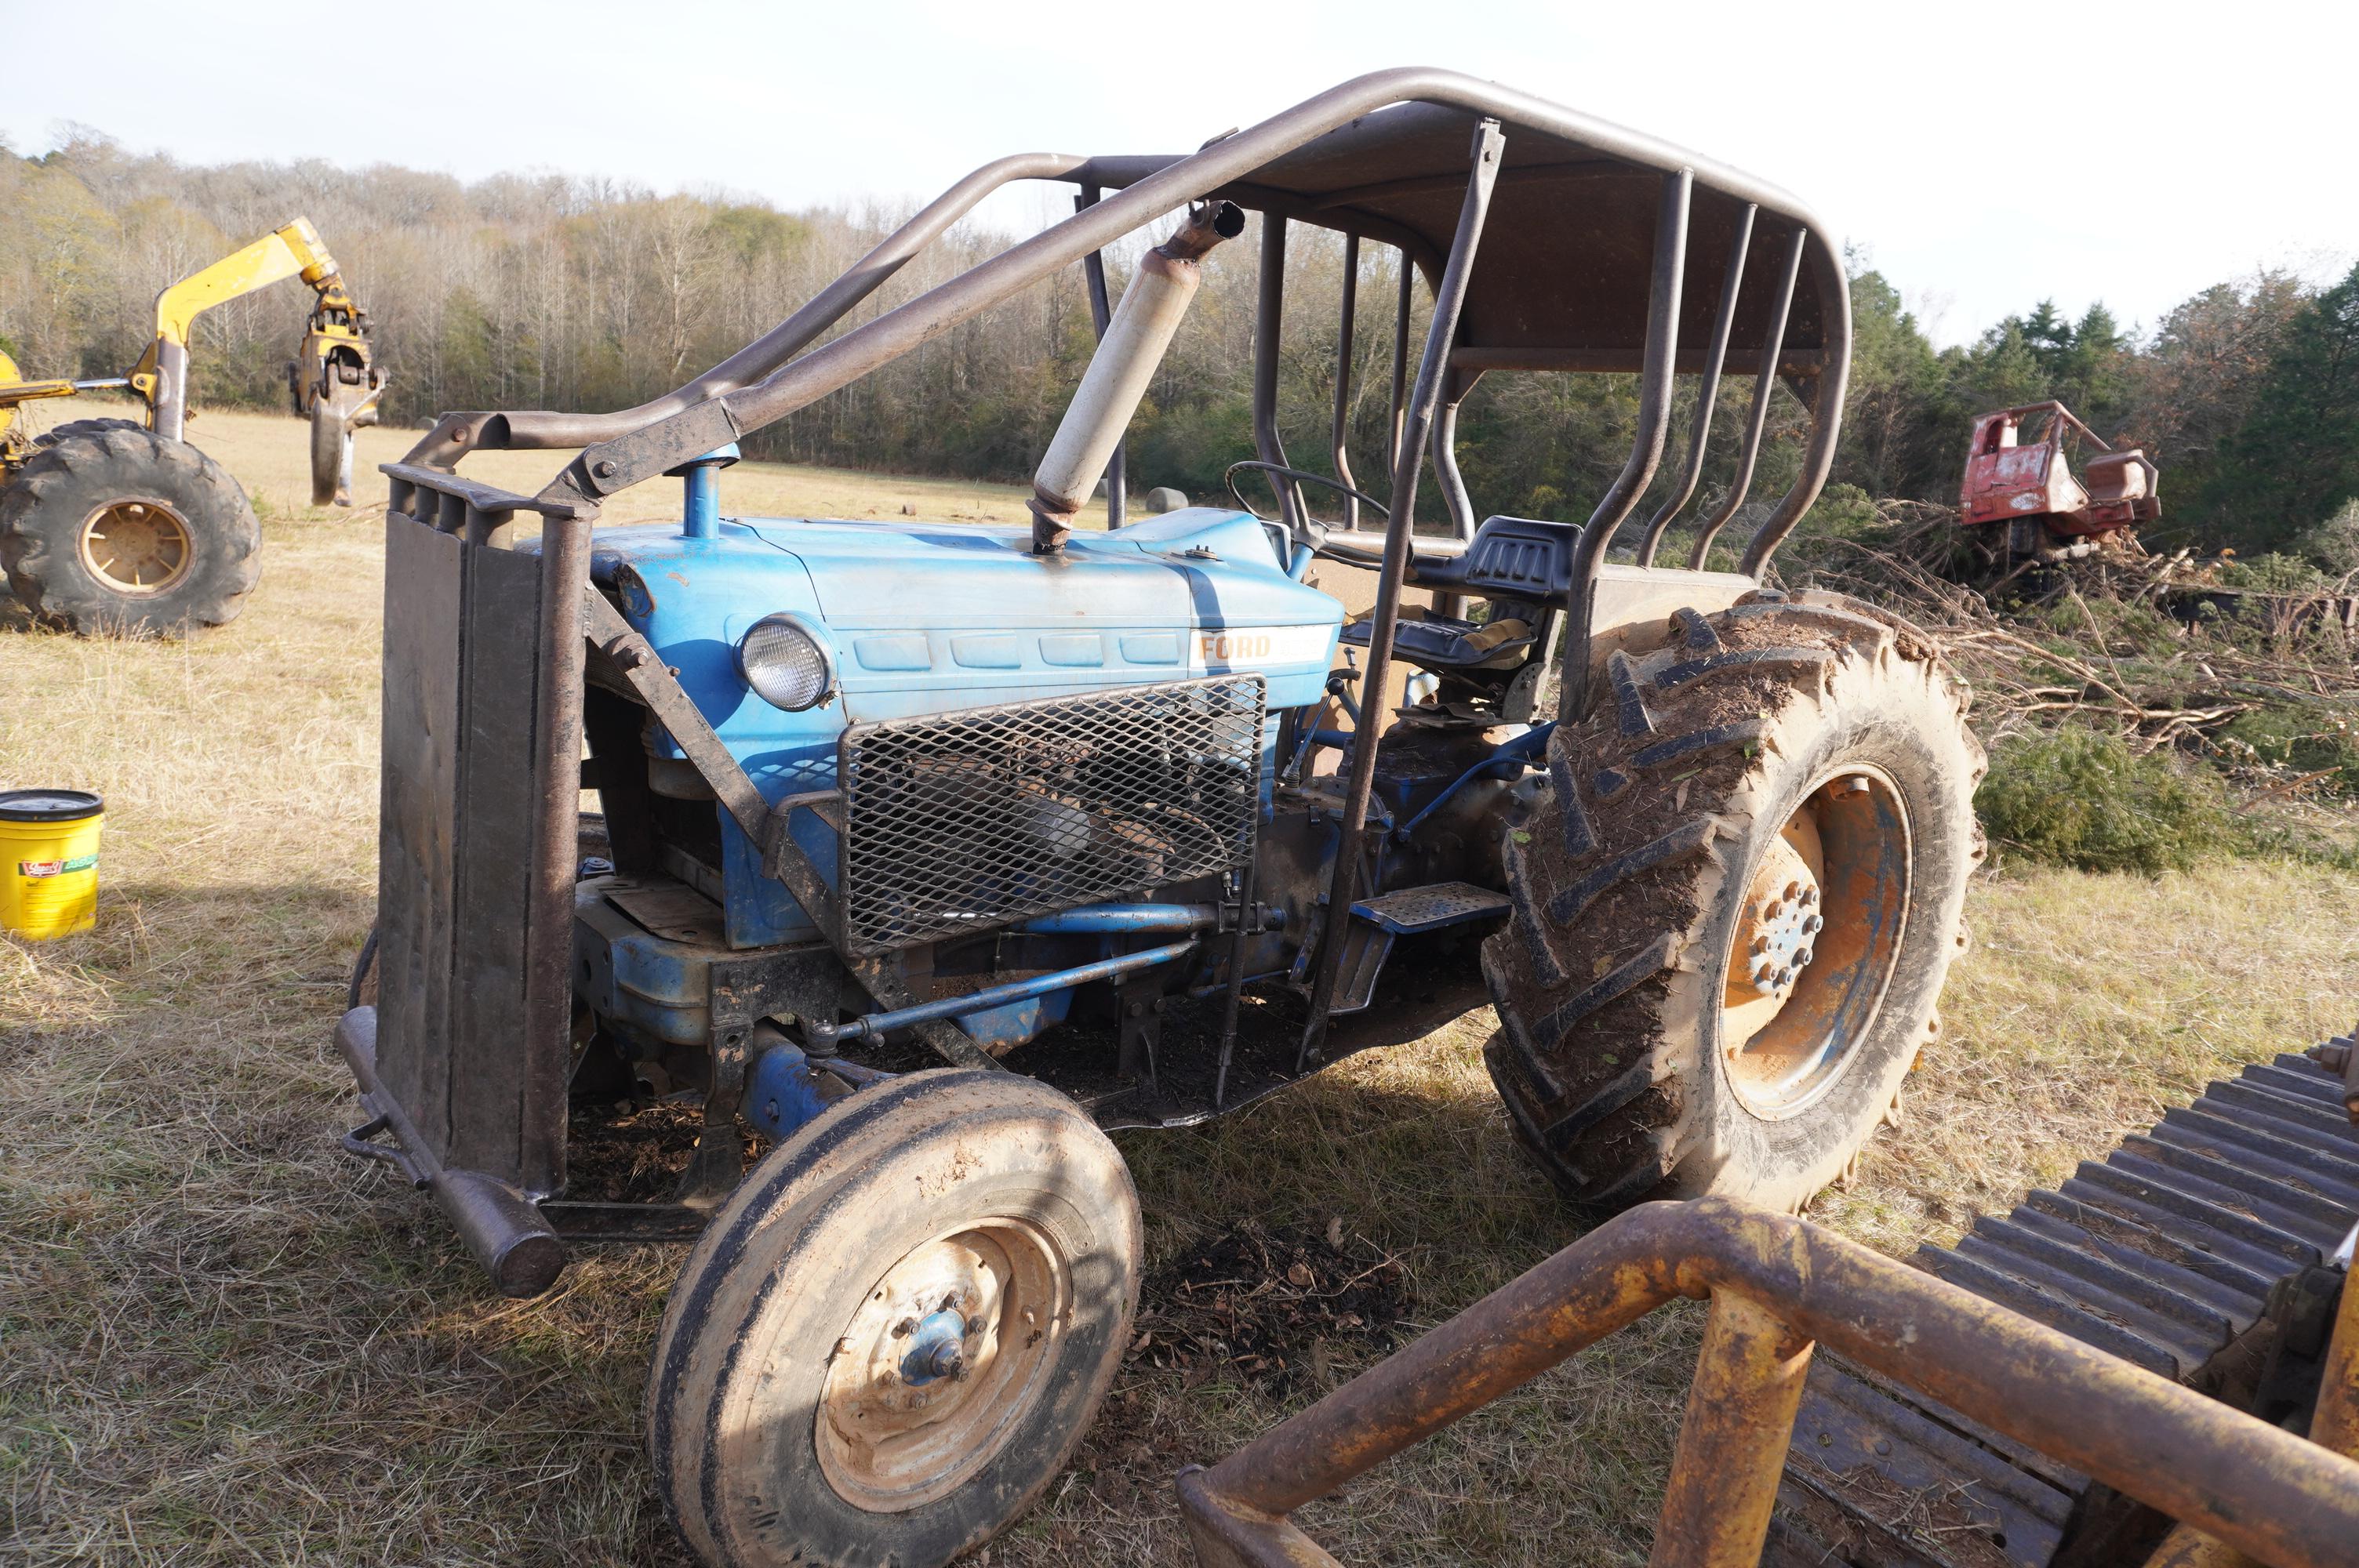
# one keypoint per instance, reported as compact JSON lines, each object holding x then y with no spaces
{"x":1513,"y":557}
{"x":2116,"y":476}
{"x":1439,"y":643}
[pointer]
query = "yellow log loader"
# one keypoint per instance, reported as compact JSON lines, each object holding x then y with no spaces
{"x":121,"y":525}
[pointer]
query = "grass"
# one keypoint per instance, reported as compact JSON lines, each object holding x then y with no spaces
{"x":221,"y":1341}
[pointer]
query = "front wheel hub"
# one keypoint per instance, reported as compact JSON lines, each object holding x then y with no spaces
{"x":950,"y":1349}
{"x":937,"y":1350}
{"x":1814,"y":942}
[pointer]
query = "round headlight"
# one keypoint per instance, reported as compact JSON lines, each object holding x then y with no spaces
{"x":785,"y":665}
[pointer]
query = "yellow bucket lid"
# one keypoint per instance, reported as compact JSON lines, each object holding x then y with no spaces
{"x":47,"y":805}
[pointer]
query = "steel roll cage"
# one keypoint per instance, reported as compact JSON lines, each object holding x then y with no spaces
{"x":1779,"y":1286}
{"x":774,"y":376}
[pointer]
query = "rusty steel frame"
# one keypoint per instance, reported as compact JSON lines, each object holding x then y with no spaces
{"x":1400,"y":527}
{"x":1778,"y":1287}
{"x":1339,"y":422}
{"x":1645,"y":451}
{"x":1731,"y":279}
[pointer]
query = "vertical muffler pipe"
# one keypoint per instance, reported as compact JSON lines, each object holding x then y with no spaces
{"x":1134,"y":344}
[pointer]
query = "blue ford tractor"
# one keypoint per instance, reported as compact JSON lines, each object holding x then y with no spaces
{"x":925,"y":854}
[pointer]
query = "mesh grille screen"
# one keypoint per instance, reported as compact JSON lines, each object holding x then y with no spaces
{"x":965,"y":821}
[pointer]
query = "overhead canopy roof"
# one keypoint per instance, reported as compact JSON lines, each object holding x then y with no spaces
{"x":1560,"y":281}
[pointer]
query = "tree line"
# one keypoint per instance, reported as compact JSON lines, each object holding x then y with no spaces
{"x":545,"y":291}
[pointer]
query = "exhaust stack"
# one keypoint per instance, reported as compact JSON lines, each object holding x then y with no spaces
{"x":1135,"y":339}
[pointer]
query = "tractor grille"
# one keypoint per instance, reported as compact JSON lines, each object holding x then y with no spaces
{"x":963,"y":822}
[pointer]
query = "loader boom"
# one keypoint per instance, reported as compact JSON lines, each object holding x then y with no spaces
{"x":161,"y":376}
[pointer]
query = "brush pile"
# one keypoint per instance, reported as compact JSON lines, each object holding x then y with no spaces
{"x":2197,"y":691}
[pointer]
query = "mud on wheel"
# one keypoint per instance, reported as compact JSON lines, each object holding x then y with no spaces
{"x":109,"y":528}
{"x":892,"y":1335}
{"x":1735,"y":907}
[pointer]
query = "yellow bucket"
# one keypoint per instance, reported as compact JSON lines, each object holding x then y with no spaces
{"x":48,"y":861}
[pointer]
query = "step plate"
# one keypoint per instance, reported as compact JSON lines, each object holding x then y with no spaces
{"x":1432,"y":907}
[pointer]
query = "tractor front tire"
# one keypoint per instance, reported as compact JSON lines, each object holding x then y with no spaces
{"x":1736,"y":905}
{"x":111,"y":528}
{"x":892,"y":1335}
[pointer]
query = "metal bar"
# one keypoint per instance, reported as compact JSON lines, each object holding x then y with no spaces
{"x":1235,"y":990}
{"x":1646,"y":451}
{"x":1449,"y":297}
{"x":1453,"y":483}
{"x":167,"y":405}
{"x":502,"y":1227}
{"x":1118,"y":919}
{"x":1338,"y":427}
{"x":877,"y":1024}
{"x":455,"y":434}
{"x":2261,"y":1491}
{"x":2335,"y":1423}
{"x":1757,"y":417}
{"x":1401,"y":306}
{"x":1826,"y":408}
{"x":674,"y":709}
{"x":1731,"y":1450}
{"x":1102,"y":313}
{"x":1732,"y":281}
{"x":1269,"y":325}
{"x":549,"y":955}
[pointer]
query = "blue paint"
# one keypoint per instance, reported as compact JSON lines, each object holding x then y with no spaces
{"x":781,"y":1096}
{"x":1509,"y":761}
{"x":658,"y":989}
{"x":937,"y":1348}
{"x":1010,"y":1024}
{"x":700,"y":517}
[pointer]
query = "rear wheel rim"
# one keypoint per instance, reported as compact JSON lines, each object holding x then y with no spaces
{"x":942,"y":1360}
{"x":138,"y":548}
{"x":1815,"y":944}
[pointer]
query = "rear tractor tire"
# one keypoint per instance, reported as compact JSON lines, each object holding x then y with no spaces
{"x":1735,"y":907}
{"x":111,"y":528}
{"x":892,"y":1335}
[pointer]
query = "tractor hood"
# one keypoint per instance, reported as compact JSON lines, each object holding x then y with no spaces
{"x":932,"y":618}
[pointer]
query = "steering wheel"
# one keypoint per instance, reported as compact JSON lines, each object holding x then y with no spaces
{"x":1300,"y":476}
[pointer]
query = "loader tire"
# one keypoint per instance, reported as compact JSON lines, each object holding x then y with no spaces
{"x":328,"y":439}
{"x":117,"y":530}
{"x":1734,"y":908}
{"x":795,"y":1413}
{"x":71,"y":427}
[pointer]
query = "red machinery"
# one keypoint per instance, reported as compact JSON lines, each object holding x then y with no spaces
{"x":2026,"y":484}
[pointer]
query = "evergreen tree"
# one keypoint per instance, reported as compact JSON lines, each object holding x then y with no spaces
{"x":2295,"y":459}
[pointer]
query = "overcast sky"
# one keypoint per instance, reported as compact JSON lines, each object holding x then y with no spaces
{"x":1983,"y":156}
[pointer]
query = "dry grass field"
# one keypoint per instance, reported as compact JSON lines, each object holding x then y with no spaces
{"x":222,"y":1341}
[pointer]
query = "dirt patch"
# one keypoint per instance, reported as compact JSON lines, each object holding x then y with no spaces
{"x":1265,"y":1305}
{"x":623,"y":1153}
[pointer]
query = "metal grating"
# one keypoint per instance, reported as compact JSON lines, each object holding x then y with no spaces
{"x":961,"y":822}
